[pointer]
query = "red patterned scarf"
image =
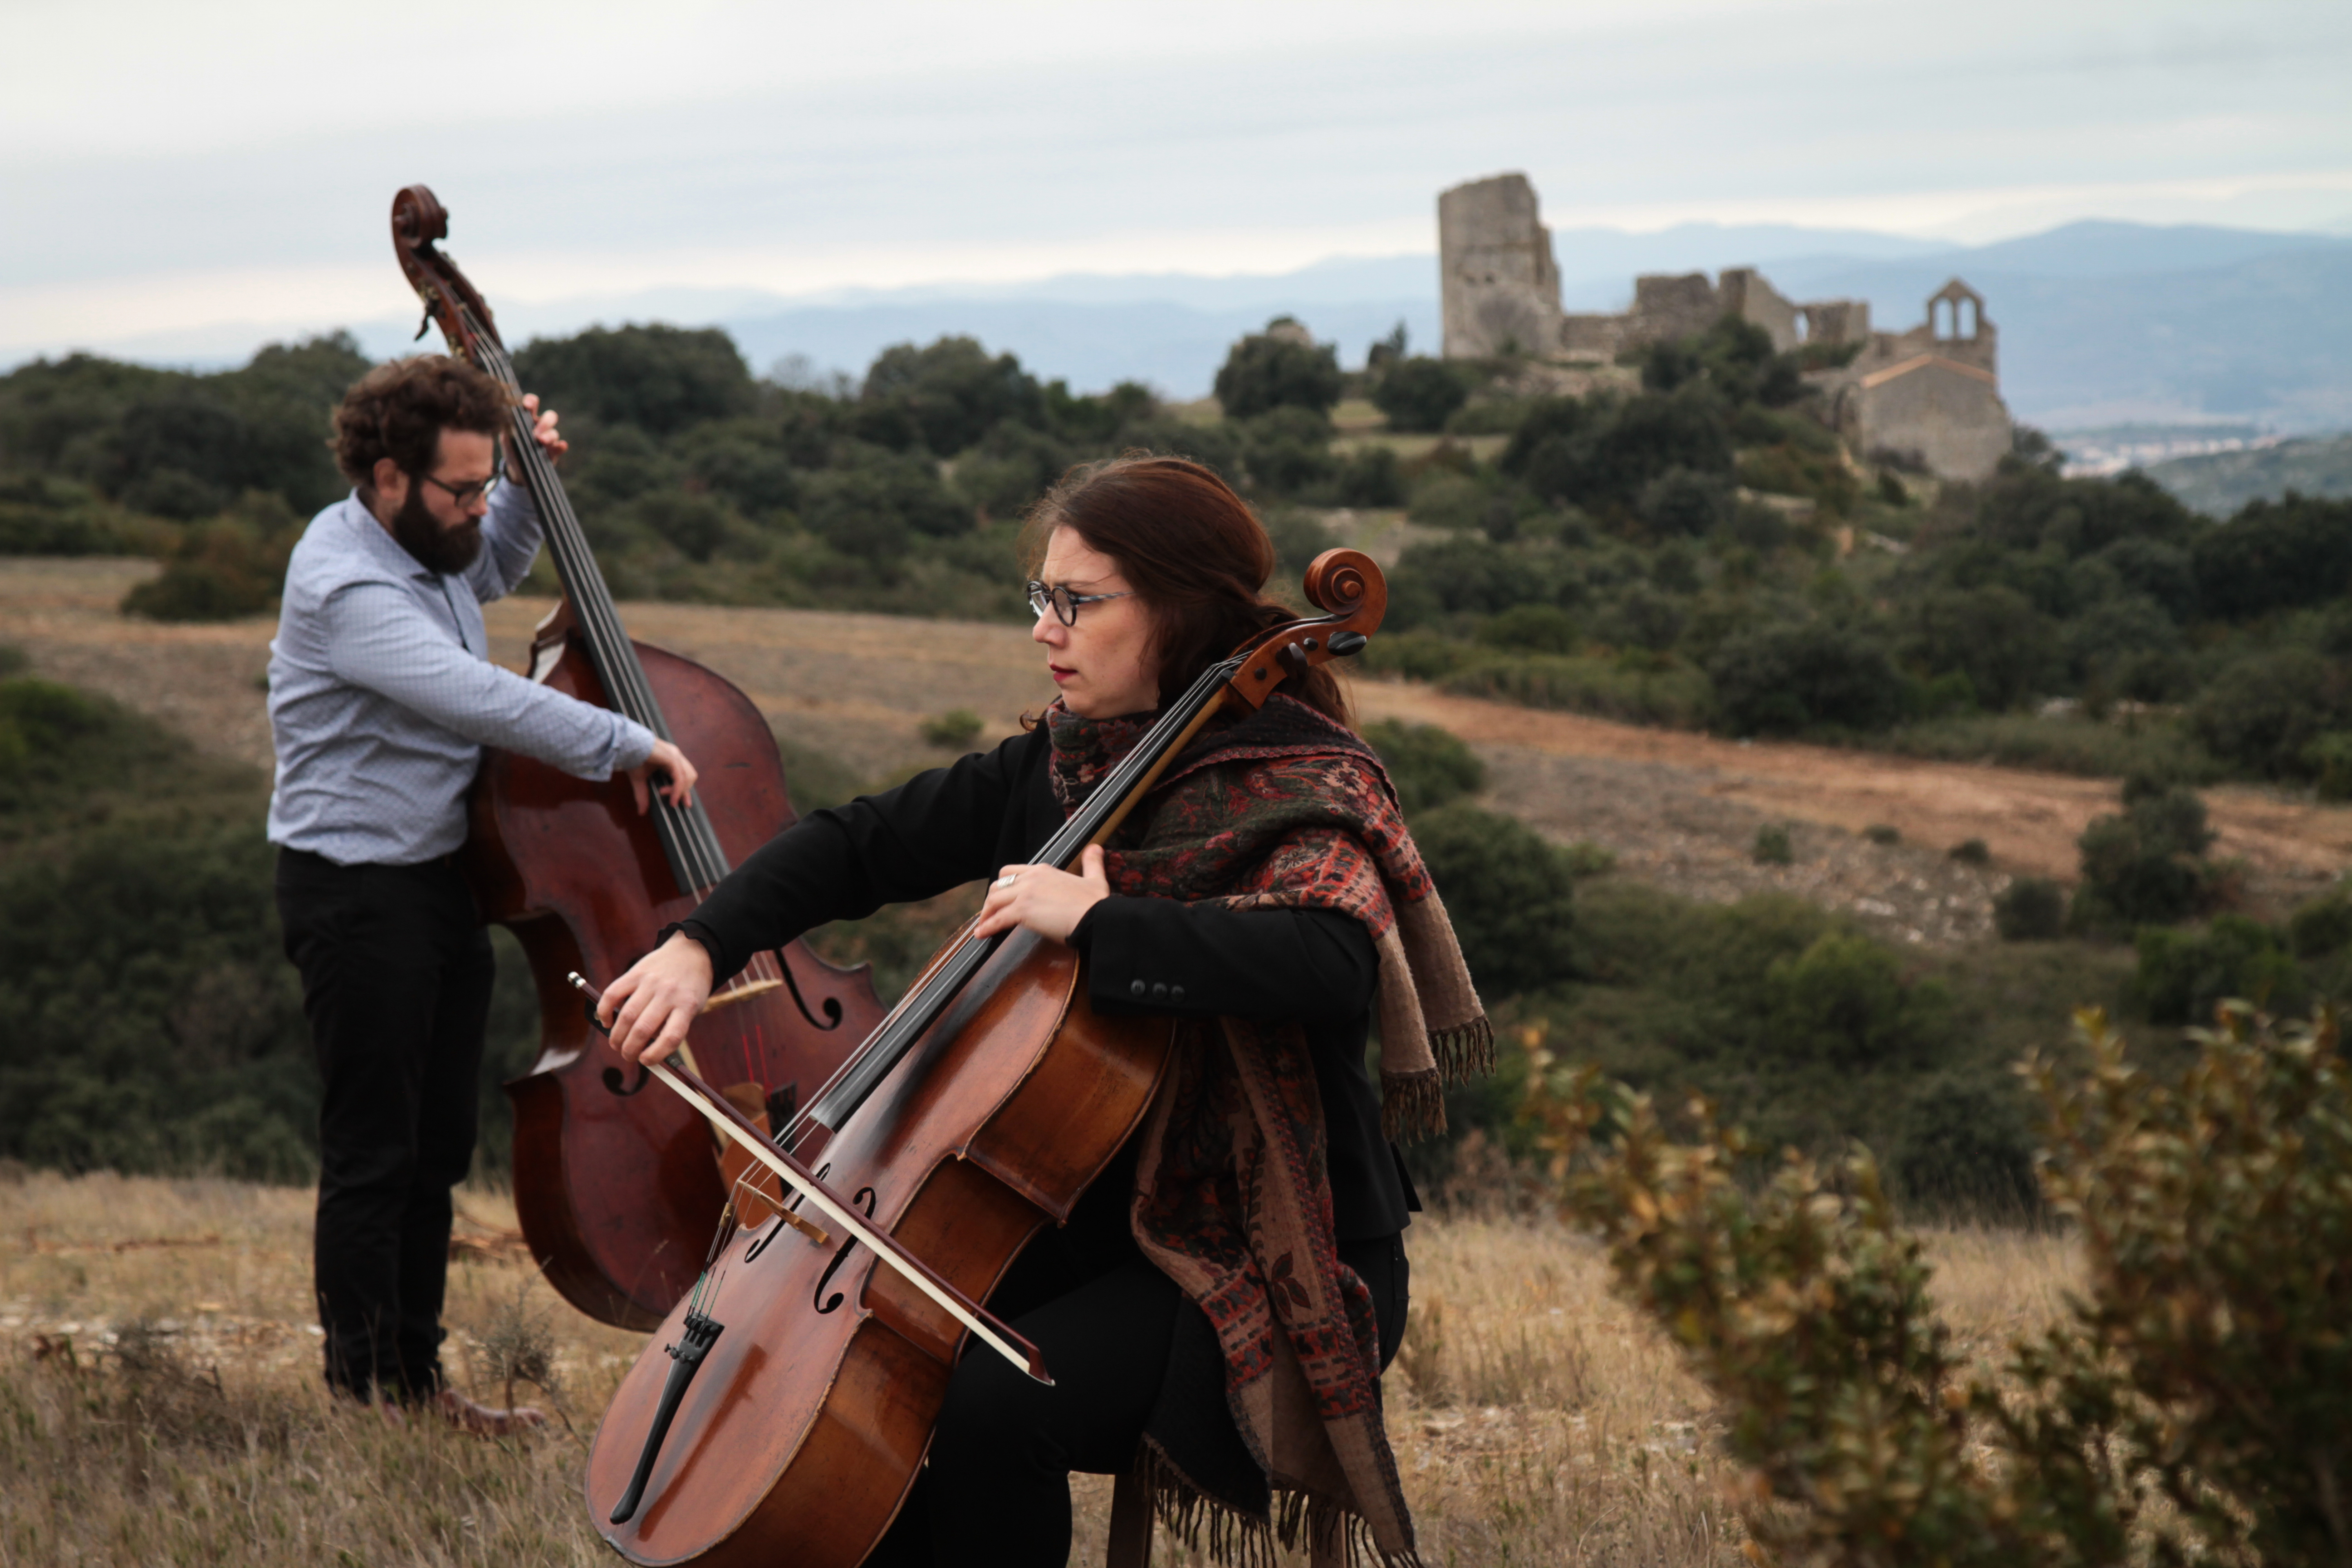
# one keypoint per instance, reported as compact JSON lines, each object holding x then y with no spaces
{"x":1283,"y":809}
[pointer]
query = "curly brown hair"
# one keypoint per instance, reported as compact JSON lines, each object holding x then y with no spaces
{"x":398,"y":411}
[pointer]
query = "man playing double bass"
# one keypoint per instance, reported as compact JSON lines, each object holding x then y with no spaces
{"x":381,"y":697}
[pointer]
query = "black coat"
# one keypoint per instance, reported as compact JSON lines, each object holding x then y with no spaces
{"x":964,"y":823}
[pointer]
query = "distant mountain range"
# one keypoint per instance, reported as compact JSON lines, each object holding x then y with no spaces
{"x":2100,"y":323}
{"x":2219,"y":483}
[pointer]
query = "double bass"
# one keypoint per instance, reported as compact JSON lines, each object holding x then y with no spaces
{"x":781,"y":1413}
{"x":618,"y":1190}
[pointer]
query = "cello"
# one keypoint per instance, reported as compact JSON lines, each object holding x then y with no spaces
{"x":782,"y":1413}
{"x":617,"y":1190}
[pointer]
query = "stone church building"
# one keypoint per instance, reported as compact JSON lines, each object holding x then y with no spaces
{"x":1929,"y":396}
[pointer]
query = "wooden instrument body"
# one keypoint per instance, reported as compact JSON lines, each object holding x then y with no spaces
{"x":619,"y":1191}
{"x":808,"y":1420}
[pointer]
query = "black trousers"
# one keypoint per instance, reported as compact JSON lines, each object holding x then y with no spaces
{"x":996,"y":1490}
{"x":396,"y":972}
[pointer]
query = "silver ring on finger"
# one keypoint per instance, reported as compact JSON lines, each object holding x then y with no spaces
{"x":1007,"y":879}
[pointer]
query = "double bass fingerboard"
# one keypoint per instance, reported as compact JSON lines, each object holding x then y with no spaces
{"x":687,"y":840}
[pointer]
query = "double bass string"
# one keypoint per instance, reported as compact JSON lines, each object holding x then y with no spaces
{"x":687,"y":832}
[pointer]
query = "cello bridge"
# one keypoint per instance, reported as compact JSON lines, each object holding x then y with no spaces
{"x":741,"y":990}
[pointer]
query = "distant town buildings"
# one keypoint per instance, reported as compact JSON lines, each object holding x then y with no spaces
{"x":1929,"y":396}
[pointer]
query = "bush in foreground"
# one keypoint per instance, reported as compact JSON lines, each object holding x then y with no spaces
{"x":2189,"y":1409}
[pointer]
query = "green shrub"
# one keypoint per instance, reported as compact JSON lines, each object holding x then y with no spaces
{"x":1370,"y":476}
{"x":2266,"y":713}
{"x":1415,"y":655}
{"x":1510,"y":893}
{"x":2189,"y":1407}
{"x":1843,"y":1003}
{"x":1684,"y":504}
{"x":1676,"y":695}
{"x":1882,"y":833}
{"x":1971,"y":852}
{"x":1419,"y":393}
{"x":2183,"y":975}
{"x":1287,"y":449}
{"x":1531,"y":628}
{"x":1786,"y":677}
{"x":1965,"y":1145}
{"x":2058,"y":745}
{"x":2329,"y":761}
{"x":2031,"y":909}
{"x":2322,"y":925}
{"x":1275,"y":369}
{"x":956,"y":729}
{"x":1428,"y":766}
{"x":1441,"y":499}
{"x":2147,"y":865}
{"x":1772,"y":847}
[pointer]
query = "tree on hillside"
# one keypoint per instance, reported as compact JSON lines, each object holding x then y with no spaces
{"x":659,"y":378}
{"x":1281,"y":367}
{"x":1419,"y":393}
{"x":952,"y":393}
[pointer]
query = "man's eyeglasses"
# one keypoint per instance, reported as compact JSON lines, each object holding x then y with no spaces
{"x":1064,"y":603}
{"x":466,"y":495}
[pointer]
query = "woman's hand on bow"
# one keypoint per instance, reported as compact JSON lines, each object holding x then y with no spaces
{"x":1048,"y":901}
{"x":650,"y":1007}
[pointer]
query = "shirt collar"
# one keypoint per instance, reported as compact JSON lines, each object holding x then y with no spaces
{"x":377,"y":542}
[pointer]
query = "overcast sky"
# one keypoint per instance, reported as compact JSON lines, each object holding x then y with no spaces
{"x":172,"y":165}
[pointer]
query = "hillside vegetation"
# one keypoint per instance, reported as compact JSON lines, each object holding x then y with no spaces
{"x":1691,"y":548}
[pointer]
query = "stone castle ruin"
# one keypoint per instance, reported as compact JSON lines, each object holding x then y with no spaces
{"x":1928,"y":396}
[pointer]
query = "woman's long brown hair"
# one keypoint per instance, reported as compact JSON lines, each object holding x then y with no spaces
{"x":1192,"y":549}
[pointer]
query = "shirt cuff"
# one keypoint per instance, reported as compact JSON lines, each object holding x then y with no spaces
{"x":631,"y":743}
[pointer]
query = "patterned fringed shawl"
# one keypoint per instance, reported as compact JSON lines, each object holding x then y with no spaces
{"x":1282,"y":809}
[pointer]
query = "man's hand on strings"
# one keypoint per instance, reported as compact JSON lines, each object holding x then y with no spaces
{"x":650,"y":1007}
{"x":678,"y":787}
{"x":543,"y":430}
{"x":1048,"y":901}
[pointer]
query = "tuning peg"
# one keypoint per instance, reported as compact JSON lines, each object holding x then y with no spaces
{"x":1347,"y":644}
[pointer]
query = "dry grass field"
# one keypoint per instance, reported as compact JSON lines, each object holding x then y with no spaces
{"x":159,"y":1400}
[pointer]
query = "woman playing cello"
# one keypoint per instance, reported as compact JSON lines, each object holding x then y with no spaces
{"x":1220,"y":1306}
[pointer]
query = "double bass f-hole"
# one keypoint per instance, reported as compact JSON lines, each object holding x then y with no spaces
{"x":833,"y":1013}
{"x":820,"y":1301}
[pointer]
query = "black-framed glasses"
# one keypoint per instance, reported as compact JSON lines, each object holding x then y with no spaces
{"x":1064,"y":603}
{"x":465,"y":495}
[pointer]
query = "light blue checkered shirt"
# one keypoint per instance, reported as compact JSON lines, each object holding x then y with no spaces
{"x":382,"y":695}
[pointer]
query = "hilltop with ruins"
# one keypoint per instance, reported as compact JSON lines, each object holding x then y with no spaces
{"x":1928,"y":396}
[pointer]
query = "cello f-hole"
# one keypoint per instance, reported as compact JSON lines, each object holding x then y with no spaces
{"x":613,"y":1081}
{"x":820,"y":1301}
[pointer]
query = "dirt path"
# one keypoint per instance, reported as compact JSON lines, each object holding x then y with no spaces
{"x":1678,"y":809}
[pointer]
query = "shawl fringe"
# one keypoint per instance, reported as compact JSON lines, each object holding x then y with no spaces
{"x":1228,"y":1536}
{"x":1466,"y":1050}
{"x":1412,"y":1106}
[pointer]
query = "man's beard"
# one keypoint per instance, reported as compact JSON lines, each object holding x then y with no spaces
{"x":436,"y":549}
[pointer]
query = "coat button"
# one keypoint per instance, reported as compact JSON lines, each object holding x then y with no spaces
{"x":1135,"y":988}
{"x":1175,"y":994}
{"x":1159,"y":992}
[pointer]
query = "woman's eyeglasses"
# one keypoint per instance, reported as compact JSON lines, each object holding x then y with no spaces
{"x":1064,"y":603}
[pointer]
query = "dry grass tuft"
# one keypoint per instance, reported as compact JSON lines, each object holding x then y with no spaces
{"x":160,"y":1404}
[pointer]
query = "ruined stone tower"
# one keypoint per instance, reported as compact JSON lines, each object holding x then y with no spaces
{"x":1930,"y":395}
{"x":1500,"y":291}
